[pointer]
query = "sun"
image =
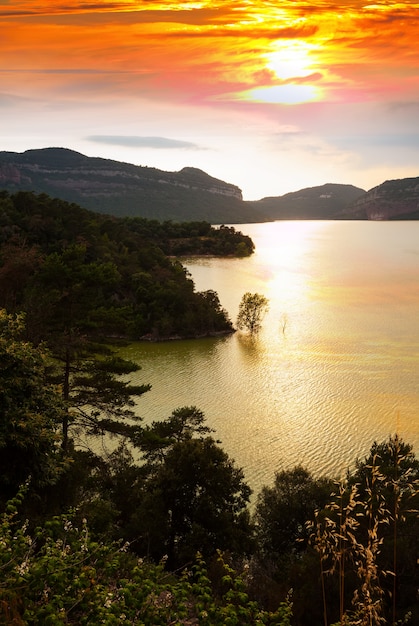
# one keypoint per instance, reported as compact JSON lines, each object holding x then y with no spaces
{"x":291,"y":64}
{"x":291,"y":59}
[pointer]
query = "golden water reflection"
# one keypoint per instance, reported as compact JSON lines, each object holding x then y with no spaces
{"x":335,"y":366}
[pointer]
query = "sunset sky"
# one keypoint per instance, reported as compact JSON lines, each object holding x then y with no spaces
{"x":271,"y":96}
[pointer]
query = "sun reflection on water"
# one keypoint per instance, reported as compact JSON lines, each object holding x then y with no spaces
{"x":319,"y":389}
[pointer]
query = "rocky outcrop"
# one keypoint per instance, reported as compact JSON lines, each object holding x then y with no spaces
{"x":392,"y":200}
{"x":193,"y":178}
{"x":9,"y":173}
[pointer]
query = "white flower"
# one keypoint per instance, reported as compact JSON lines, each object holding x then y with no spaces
{"x":23,"y":568}
{"x":108,"y":602}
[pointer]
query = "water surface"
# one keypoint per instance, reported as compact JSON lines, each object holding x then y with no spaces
{"x":335,"y":365}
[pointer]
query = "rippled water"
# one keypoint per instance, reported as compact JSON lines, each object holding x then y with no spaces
{"x":335,"y":366}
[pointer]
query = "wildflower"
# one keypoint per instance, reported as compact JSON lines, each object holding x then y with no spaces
{"x":23,"y":568}
{"x":124,"y":548}
{"x":108,"y":602}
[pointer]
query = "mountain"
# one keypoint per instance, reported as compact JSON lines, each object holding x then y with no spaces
{"x":313,"y":203}
{"x":392,"y":200}
{"x":122,"y":189}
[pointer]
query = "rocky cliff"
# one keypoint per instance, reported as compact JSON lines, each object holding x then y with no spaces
{"x":392,"y":200}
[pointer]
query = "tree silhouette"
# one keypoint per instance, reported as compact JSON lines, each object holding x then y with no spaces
{"x":252,"y":309}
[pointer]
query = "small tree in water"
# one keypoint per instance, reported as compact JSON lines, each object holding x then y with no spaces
{"x":252,"y":309}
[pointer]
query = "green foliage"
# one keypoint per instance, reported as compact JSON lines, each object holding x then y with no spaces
{"x":283,"y":510}
{"x":158,"y":439}
{"x":234,"y":607}
{"x":193,"y":238}
{"x":194,"y":498}
{"x":252,"y":308}
{"x":30,"y":412}
{"x":96,"y":276}
{"x":59,"y":574}
{"x":100,"y":401}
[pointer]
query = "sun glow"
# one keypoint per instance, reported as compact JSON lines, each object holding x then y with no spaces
{"x":284,"y":94}
{"x":293,"y":70}
{"x":291,"y":59}
{"x":288,"y":259}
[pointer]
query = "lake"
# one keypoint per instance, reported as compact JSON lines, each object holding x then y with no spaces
{"x":335,"y":365}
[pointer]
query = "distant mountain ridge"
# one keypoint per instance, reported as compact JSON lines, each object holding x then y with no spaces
{"x":123,"y":189}
{"x":322,"y":202}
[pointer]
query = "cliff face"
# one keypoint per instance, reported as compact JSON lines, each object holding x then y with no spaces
{"x":11,"y":175}
{"x":392,"y":200}
{"x":192,"y":178}
{"x":108,"y":186}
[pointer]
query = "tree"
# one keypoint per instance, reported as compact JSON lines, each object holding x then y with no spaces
{"x":282,"y":511}
{"x":111,"y":274}
{"x":158,"y":439}
{"x":68,"y":312}
{"x":284,"y":559}
{"x":30,"y":413}
{"x":252,"y":308}
{"x":194,"y":498}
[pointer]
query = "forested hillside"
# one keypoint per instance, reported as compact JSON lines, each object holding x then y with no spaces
{"x":62,"y":264}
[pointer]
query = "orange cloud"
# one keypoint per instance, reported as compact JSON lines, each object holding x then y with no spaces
{"x":201,"y":50}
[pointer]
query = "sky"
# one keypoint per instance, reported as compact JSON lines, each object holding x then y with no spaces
{"x":271,"y":96}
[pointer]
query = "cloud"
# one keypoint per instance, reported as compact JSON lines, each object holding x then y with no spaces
{"x":248,"y":32}
{"x":405,"y":107}
{"x":63,"y":70}
{"x":27,"y":9}
{"x":11,"y":100}
{"x":381,"y":140}
{"x":160,"y":143}
{"x":116,"y":15}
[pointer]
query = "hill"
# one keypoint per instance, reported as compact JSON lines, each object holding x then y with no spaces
{"x":392,"y":200}
{"x":123,"y":189}
{"x":111,"y":275}
{"x":312,"y":203}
